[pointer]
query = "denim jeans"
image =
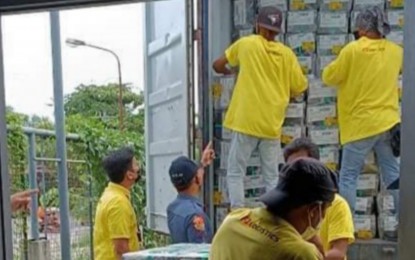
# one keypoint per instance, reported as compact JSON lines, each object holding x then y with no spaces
{"x":353,"y":158}
{"x":240,"y":151}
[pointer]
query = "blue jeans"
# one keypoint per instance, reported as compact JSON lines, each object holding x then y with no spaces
{"x":240,"y":151}
{"x":353,"y":158}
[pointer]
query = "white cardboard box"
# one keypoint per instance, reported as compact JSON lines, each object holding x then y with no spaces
{"x":324,"y":136}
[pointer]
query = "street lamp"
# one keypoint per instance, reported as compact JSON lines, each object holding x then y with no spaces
{"x":76,"y":43}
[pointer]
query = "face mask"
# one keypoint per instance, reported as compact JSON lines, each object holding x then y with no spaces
{"x":311,"y":231}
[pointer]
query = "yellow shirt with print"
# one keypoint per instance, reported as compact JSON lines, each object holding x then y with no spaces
{"x":338,"y":223}
{"x":249,"y":234}
{"x":114,"y":219}
{"x":366,"y":73}
{"x":269,"y":74}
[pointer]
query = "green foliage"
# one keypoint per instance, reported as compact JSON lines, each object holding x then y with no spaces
{"x":101,"y":102}
{"x":92,"y":114}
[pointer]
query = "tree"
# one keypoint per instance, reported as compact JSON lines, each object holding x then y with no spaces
{"x":102,"y":102}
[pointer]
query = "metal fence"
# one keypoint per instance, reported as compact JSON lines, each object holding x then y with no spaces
{"x":41,"y":171}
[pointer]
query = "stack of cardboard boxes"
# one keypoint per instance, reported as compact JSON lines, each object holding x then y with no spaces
{"x":316,"y":30}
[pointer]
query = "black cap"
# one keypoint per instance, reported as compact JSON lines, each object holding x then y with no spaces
{"x":182,"y":171}
{"x":302,"y":182}
{"x":270,"y":17}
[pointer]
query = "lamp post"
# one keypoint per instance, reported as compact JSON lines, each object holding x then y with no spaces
{"x":76,"y":43}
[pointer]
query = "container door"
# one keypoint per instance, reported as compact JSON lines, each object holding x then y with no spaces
{"x":168,"y":95}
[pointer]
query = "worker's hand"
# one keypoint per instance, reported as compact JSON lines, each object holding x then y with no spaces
{"x":21,"y":200}
{"x":208,"y":155}
{"x":317,"y":242}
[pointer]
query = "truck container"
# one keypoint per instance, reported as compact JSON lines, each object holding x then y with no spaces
{"x":316,"y":31}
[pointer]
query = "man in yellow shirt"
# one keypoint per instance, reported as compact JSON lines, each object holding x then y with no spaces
{"x":115,"y":229}
{"x":299,"y":202}
{"x":336,"y":232}
{"x":269,"y":74}
{"x":366,"y":74}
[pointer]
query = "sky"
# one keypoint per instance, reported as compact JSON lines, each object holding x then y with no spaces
{"x":28,"y":61}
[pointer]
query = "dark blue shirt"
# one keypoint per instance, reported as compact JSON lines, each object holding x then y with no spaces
{"x":187,"y":221}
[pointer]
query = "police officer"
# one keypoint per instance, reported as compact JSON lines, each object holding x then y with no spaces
{"x":187,"y":221}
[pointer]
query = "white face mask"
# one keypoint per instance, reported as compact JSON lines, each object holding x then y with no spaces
{"x":311,"y":231}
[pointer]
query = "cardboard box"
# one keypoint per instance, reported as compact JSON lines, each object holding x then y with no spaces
{"x":367,"y":185}
{"x":388,"y":227}
{"x":307,"y":64}
{"x":302,"y":21}
{"x":302,"y":44}
{"x":364,"y":205}
{"x":321,"y":113}
{"x":324,"y":136}
{"x":296,"y":5}
{"x":281,"y":4}
{"x":335,"y":5}
{"x":333,"y":22}
{"x":171,"y":252}
{"x":295,"y":110}
{"x":289,"y":133}
{"x":361,"y":4}
{"x":254,"y":181}
{"x":365,"y":226}
{"x":222,"y":89}
{"x":396,"y":36}
{"x":329,"y":155}
{"x":396,"y":19}
{"x":331,"y":44}
{"x":244,"y":13}
{"x":395,"y":4}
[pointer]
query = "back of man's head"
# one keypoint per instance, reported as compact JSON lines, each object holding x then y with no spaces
{"x":373,"y":20}
{"x":182,"y":171}
{"x":301,"y":147}
{"x":117,"y":163}
{"x":303,"y":182}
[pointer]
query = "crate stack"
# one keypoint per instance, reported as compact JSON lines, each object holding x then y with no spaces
{"x":316,"y":31}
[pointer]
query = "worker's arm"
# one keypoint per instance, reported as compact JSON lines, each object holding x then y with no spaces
{"x":340,"y":230}
{"x":21,"y":200}
{"x":316,"y":240}
{"x":338,"y":250}
{"x":220,"y":66}
{"x":196,"y":229}
{"x":298,"y":81}
{"x":120,"y":247}
{"x":337,"y":71}
{"x":208,"y":155}
{"x":119,"y":225}
{"x":231,"y":57}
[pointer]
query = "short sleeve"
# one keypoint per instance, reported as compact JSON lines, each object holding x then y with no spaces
{"x":119,"y":220}
{"x":340,"y":223}
{"x":232,"y":53}
{"x":306,"y":252}
{"x":337,"y":71}
{"x":196,"y":229}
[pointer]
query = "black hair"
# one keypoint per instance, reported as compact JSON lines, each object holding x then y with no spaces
{"x":300,"y":144}
{"x":117,"y":163}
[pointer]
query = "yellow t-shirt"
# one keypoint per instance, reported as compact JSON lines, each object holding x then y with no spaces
{"x":250,"y":234}
{"x":337,"y":224}
{"x":366,"y":73}
{"x":269,"y":74}
{"x":114,"y":219}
